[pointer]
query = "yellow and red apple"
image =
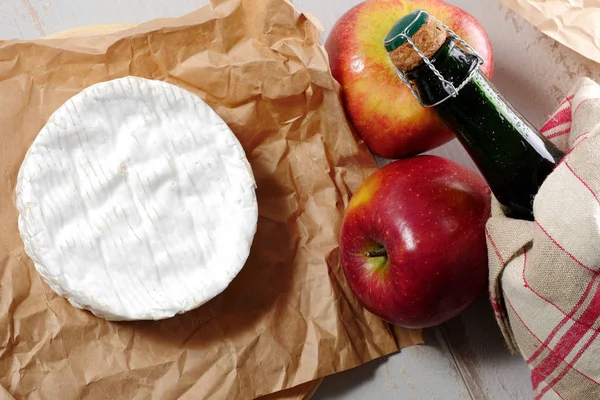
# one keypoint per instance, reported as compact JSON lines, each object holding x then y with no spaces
{"x":412,"y":242}
{"x":381,"y":108}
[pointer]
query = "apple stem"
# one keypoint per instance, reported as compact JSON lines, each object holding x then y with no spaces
{"x":381,"y":252}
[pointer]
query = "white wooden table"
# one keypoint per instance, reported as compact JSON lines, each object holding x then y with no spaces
{"x":465,"y":358}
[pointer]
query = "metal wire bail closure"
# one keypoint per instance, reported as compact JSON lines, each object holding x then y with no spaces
{"x":446,"y":84}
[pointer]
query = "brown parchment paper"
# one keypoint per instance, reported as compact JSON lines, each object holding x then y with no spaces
{"x":289,"y":317}
{"x":575,"y":24}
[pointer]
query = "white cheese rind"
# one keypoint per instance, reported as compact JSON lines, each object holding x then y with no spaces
{"x":136,"y":201}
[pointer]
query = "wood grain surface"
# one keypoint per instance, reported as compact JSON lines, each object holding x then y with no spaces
{"x":465,"y":358}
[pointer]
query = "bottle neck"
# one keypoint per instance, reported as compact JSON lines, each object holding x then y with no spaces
{"x":453,"y":63}
{"x":509,"y":152}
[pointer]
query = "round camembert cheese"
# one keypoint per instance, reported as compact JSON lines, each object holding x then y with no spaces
{"x":136,"y":201}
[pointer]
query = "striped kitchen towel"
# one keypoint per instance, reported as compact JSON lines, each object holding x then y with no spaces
{"x":544,"y":283}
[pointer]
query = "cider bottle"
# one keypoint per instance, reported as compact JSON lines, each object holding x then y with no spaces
{"x":443,"y":73}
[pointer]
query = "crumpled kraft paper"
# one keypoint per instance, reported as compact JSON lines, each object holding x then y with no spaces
{"x":574,"y":23}
{"x":289,"y":317}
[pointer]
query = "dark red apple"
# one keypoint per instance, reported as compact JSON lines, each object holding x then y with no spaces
{"x":413,"y":243}
{"x":381,"y":108}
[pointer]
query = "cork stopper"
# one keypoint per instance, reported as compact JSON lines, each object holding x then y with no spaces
{"x":426,"y":32}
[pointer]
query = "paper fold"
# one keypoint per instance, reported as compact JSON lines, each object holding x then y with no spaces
{"x":572,"y":23}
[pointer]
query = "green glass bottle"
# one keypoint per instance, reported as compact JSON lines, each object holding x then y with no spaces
{"x":510,"y":153}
